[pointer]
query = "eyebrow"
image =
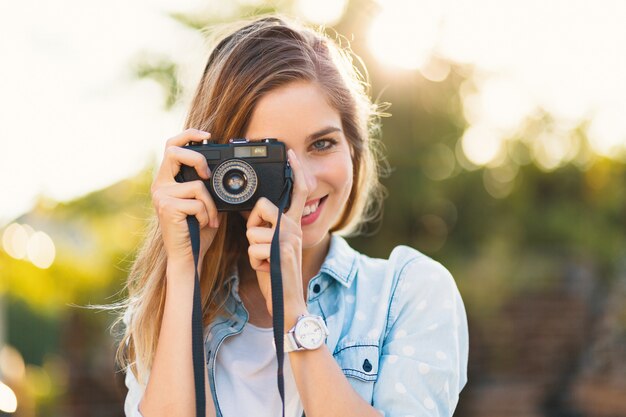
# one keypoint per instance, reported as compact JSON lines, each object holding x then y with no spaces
{"x":324,"y":131}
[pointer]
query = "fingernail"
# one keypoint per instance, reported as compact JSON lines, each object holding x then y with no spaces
{"x":205,"y":133}
{"x":208,"y":172}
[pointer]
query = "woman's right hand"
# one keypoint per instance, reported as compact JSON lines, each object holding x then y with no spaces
{"x":174,"y":201}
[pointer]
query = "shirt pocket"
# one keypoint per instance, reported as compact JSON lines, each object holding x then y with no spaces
{"x":359,"y":362}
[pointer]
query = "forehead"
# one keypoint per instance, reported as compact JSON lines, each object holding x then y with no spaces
{"x":292,"y":112}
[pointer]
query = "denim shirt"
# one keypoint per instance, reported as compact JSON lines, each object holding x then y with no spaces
{"x":397,"y":329}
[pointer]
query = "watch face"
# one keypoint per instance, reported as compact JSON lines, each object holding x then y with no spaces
{"x":309,"y":333}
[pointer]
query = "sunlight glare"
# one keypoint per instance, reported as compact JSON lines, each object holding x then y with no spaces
{"x":607,"y":132}
{"x":405,"y":33}
{"x":504,"y":103}
{"x":322,"y":12}
{"x":435,"y":69}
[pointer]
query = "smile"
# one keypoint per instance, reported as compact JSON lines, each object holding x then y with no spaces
{"x":312,"y":211}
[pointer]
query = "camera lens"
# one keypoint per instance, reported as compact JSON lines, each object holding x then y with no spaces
{"x":234,"y":181}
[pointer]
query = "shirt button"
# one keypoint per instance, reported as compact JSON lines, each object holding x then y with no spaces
{"x":316,"y":288}
{"x":367,"y":366}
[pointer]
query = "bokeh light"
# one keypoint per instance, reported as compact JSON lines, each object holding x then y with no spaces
{"x":435,"y":69}
{"x":12,"y":365}
{"x":436,"y":232}
{"x":8,"y":400}
{"x":40,"y":250}
{"x":39,"y":379}
{"x":21,"y":241}
{"x":439,"y":163}
{"x":481,"y":145}
{"x":552,"y":149}
{"x":498,"y":185}
{"x":14,"y":240}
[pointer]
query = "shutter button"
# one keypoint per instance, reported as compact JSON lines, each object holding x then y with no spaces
{"x":367,"y":366}
{"x":316,"y":288}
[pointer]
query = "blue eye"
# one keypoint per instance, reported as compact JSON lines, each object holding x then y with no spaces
{"x":324,"y":144}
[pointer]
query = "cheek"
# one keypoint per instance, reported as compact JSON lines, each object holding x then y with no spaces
{"x":345,"y":175}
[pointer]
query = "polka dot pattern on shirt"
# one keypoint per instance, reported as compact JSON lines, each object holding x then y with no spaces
{"x":408,"y":350}
{"x":400,"y":388}
{"x":423,"y":368}
{"x":429,"y":403}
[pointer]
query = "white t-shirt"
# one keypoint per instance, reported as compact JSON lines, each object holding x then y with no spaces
{"x":245,"y":376}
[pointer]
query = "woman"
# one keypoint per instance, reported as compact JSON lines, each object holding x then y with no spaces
{"x":397,"y":340}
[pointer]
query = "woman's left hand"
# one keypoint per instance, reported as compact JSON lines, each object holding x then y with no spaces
{"x":260,"y":230}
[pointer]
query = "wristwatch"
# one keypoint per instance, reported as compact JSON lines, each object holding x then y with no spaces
{"x":309,"y":333}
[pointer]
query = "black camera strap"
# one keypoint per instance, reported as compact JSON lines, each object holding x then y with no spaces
{"x":197,"y":343}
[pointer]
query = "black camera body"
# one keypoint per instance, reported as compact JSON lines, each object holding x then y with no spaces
{"x":242,"y":171}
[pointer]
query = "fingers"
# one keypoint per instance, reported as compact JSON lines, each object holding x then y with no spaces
{"x":175,"y":155}
{"x":186,"y":136}
{"x":259,"y":254}
{"x":264,"y":212}
{"x":171,"y":207}
{"x":189,"y":190}
{"x":259,"y":235}
{"x":300,"y":190}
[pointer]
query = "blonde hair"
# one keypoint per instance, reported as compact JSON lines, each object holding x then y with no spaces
{"x":253,"y":59}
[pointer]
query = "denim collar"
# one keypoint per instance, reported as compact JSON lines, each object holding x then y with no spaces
{"x":340,"y":264}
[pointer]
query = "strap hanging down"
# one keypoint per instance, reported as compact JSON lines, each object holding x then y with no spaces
{"x":278,"y":313}
{"x":197,"y":344}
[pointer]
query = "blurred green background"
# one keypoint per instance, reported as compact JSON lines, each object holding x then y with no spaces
{"x":529,"y":220}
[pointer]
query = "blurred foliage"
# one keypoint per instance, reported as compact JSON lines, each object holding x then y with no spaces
{"x":95,"y":238}
{"x":164,"y":73}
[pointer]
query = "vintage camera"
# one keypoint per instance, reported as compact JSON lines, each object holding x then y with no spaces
{"x":242,"y":171}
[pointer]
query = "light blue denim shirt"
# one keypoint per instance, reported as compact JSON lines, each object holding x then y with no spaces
{"x":397,"y":328}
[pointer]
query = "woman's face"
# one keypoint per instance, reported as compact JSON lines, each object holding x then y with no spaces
{"x":298,"y":115}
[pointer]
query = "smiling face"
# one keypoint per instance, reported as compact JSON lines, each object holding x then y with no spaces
{"x":299,"y":115}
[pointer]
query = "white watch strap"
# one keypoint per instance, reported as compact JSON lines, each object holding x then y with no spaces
{"x":290,"y":342}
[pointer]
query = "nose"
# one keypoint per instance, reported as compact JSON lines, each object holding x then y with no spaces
{"x":309,"y":169}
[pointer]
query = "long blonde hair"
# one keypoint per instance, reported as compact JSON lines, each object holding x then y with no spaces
{"x":253,"y":59}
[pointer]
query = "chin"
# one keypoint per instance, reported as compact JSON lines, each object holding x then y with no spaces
{"x":312,"y":238}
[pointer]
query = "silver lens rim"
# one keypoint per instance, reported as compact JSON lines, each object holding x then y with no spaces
{"x":218,"y":181}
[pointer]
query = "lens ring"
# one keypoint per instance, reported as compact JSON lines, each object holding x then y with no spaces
{"x":218,"y":181}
